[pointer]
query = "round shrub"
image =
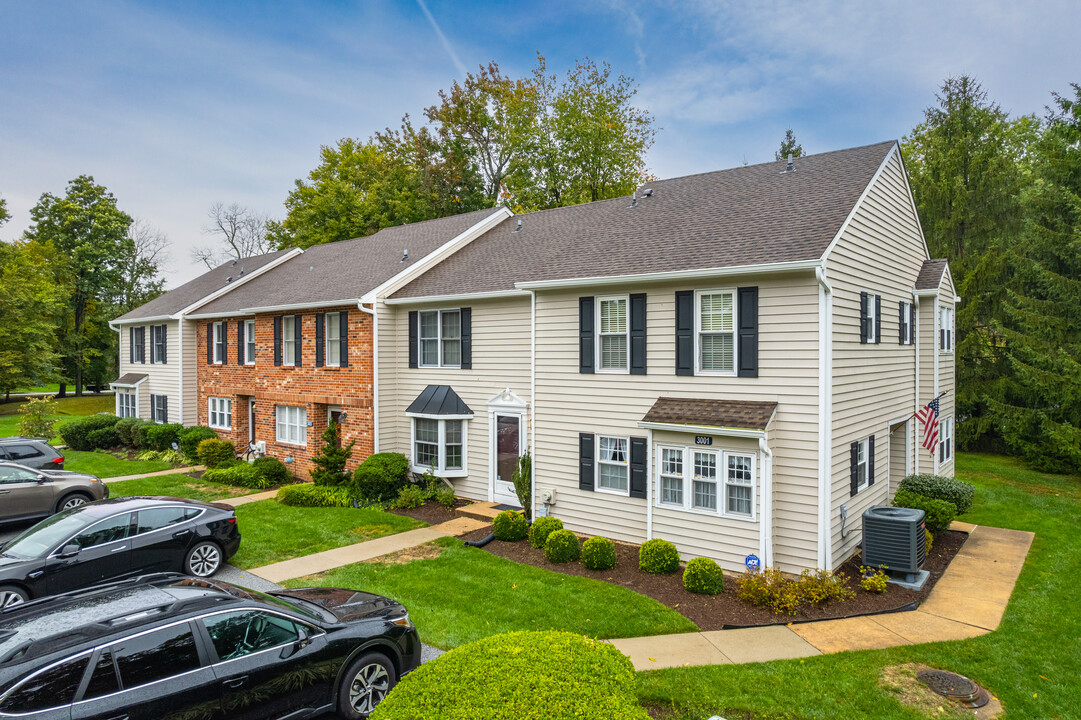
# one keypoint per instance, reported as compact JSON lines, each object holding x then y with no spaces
{"x":658,"y":557}
{"x":191,"y":437}
{"x":703,"y":576}
{"x":272,"y":469}
{"x":541,"y":528}
{"x":126,"y":430}
{"x":519,"y":676}
{"x":936,"y":487}
{"x":74,"y":433}
{"x":240,"y":475}
{"x":411,"y":496}
{"x":939,"y":513}
{"x":161,"y":437}
{"x":310,"y":495}
{"x":103,"y":438}
{"x":562,"y":546}
{"x":510,"y":526}
{"x":599,"y":553}
{"x":381,"y":477}
{"x":215,"y":453}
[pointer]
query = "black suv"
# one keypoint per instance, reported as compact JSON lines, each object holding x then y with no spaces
{"x":171,"y":647}
{"x":31,"y":452}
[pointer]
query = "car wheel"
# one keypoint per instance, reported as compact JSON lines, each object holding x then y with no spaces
{"x":364,"y":685}
{"x":203,"y":560}
{"x":71,"y":501}
{"x":11,"y":596}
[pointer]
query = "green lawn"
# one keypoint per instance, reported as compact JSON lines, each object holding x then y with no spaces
{"x":466,"y":594}
{"x":69,"y":409}
{"x":54,"y":388}
{"x":105,"y":465}
{"x":1031,"y":663}
{"x":177,"y":486}
{"x":273,"y":532}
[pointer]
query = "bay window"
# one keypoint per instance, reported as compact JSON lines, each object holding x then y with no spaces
{"x":125,"y":404}
{"x":715,"y":482}
{"x":439,"y":446}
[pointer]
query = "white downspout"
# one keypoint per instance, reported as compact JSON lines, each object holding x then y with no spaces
{"x":649,"y":484}
{"x":180,"y":365}
{"x":375,"y":373}
{"x":934,"y":354}
{"x":915,"y":449}
{"x":825,"y":418}
{"x":533,"y":403}
{"x":766,"y":516}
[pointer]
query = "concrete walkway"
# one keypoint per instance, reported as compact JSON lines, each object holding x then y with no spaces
{"x":245,"y":499}
{"x":160,"y":473}
{"x":968,"y":600}
{"x":340,"y":557}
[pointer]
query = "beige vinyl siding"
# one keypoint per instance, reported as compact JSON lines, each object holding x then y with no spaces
{"x":164,"y":378}
{"x":190,"y":366}
{"x":501,"y":360}
{"x":881,"y":251}
{"x":569,"y":403}
{"x":899,"y":454}
{"x":946,"y":369}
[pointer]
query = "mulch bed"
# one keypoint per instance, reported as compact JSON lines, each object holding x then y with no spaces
{"x":433,"y":513}
{"x":726,"y":609}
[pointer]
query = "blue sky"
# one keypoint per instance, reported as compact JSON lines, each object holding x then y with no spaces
{"x":176,"y":105}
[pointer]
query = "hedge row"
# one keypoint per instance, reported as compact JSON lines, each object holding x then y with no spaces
{"x":310,"y":495}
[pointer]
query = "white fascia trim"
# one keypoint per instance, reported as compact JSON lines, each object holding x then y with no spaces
{"x":429,"y":416}
{"x":135,"y":384}
{"x":278,"y":308}
{"x":231,"y":286}
{"x":825,"y":418}
{"x":494,"y":294}
{"x":717,"y":272}
{"x":115,"y":324}
{"x":925,"y":293}
{"x":859,"y":202}
{"x":704,"y":430}
{"x":438,"y":255}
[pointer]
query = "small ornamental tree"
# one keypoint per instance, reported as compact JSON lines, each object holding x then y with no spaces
{"x":330,"y":462}
{"x":36,"y":417}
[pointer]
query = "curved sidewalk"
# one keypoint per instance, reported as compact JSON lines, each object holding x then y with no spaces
{"x":968,"y":600}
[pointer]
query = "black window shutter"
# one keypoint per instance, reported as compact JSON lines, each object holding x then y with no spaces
{"x":638,"y":336}
{"x":224,"y":343}
{"x":343,"y":338}
{"x":278,"y":340}
{"x":164,"y":344}
{"x":240,"y":342}
{"x":871,"y":460}
{"x":878,"y":319}
{"x":319,"y":318}
{"x":131,"y":345}
{"x":414,"y":341}
{"x":141,"y":334}
{"x":585,"y":461}
{"x":864,"y":316}
{"x":941,"y":337}
{"x":748,"y":332}
{"x":298,"y":346}
{"x":685,"y":332}
{"x":587,"y":354}
{"x":854,"y":482}
{"x":912,"y":324}
{"x":467,"y":338}
{"x":164,"y":408}
{"x":901,"y":334}
{"x":210,"y":343}
{"x":638,"y":467}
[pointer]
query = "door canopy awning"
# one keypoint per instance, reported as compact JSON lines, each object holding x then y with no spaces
{"x":439,"y":401}
{"x":719,"y":415}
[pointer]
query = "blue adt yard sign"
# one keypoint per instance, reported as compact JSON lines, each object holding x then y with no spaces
{"x":752,"y":562}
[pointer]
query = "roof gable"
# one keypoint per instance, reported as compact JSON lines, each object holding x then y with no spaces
{"x":930,"y":276}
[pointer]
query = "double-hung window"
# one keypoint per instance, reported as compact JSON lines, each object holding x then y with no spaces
{"x":704,"y":495}
{"x":904,"y":317}
{"x":869,"y":318}
{"x":439,"y":446}
{"x":945,"y":445}
{"x":716,"y":332}
{"x":720,"y":482}
{"x":126,"y":404}
{"x":292,"y":424}
{"x":440,"y":335}
{"x":945,"y":329}
{"x":137,"y":339}
{"x":157,"y":343}
{"x":739,"y":485}
{"x":221,"y":413}
{"x":332,"y":339}
{"x":612,"y":332}
{"x":249,"y":342}
{"x":219,"y":344}
{"x":289,"y":339}
{"x":863,"y":454}
{"x":159,"y":408}
{"x":671,"y":475}
{"x":613,"y":465}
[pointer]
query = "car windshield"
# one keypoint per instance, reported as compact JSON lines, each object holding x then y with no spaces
{"x":44,"y":536}
{"x":248,"y":594}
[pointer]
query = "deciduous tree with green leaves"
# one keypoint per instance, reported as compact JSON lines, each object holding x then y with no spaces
{"x":29,"y":304}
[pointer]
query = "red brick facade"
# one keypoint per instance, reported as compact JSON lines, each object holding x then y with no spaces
{"x":318,"y":389}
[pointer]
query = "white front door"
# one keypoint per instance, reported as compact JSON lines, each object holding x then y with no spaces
{"x":506,"y":447}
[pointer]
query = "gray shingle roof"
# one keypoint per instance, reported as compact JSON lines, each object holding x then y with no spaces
{"x":742,"y":216}
{"x":130,"y":379}
{"x":438,"y":400}
{"x":711,"y":413}
{"x":931,"y":274}
{"x":195,"y":290}
{"x":344,"y":270}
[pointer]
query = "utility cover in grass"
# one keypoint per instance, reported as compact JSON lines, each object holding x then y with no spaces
{"x":518,"y":676}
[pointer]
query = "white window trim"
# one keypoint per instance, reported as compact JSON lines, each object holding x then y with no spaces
{"x":157,"y":331}
{"x":945,"y":451}
{"x":598,"y":462}
{"x":154,"y":409}
{"x":122,"y":393}
{"x":907,"y":323}
{"x":327,"y":341}
{"x":289,"y":357}
{"x":864,"y":446}
{"x":249,"y":345}
{"x":722,"y":481}
{"x":698,"y":332}
{"x":140,"y":358}
{"x":875,"y":330}
{"x":945,"y":315}
{"x":218,"y":344}
{"x":228,"y":412}
{"x":438,"y":338}
{"x":598,"y":335}
{"x":303,"y":426}
{"x":440,"y":469}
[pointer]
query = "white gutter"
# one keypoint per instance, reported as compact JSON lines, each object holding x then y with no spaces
{"x":495,"y":294}
{"x":716,"y":272}
{"x":276,"y":308}
{"x":704,"y":429}
{"x":825,"y":418}
{"x":533,"y":404}
{"x":115,"y":324}
{"x":375,"y":374}
{"x":765,"y":517}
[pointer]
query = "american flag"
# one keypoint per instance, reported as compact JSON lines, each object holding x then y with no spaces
{"x":929,"y":417}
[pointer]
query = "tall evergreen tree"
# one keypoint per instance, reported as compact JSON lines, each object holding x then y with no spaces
{"x":789,"y":146}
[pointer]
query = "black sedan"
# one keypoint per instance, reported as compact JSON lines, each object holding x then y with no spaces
{"x":113,"y":539}
{"x":168,"y":647}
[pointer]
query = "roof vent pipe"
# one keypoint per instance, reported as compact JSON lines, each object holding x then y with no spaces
{"x":405,"y":254}
{"x":789,"y":168}
{"x":634,"y":198}
{"x":518,"y":228}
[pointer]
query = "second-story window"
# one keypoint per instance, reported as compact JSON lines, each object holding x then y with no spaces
{"x":945,"y":329}
{"x":716,"y":332}
{"x":249,"y":342}
{"x":904,"y":319}
{"x":612,"y":329}
{"x":440,"y":336}
{"x":289,"y":340}
{"x":219,"y":344}
{"x":333,"y":340}
{"x":157,"y":343}
{"x":870,"y":318}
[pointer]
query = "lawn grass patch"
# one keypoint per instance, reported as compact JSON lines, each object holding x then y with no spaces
{"x":466,"y":594}
{"x":1030,"y":663}
{"x":69,"y":409}
{"x":273,"y":532}
{"x":106,"y":465}
{"x":178,"y":485}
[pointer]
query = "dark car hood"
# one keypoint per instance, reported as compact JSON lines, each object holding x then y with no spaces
{"x":8,"y":563}
{"x":348,"y":605}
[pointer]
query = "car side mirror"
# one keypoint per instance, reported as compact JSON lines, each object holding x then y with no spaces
{"x":69,"y":551}
{"x":299,"y":644}
{"x":42,"y":479}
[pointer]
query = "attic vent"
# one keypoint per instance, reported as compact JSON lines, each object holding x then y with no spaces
{"x":405,"y":254}
{"x":648,"y":192}
{"x":233,"y":264}
{"x":229,"y":279}
{"x":518,"y":228}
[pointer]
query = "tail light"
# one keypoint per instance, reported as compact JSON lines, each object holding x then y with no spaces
{"x":232,"y":520}
{"x":58,"y":460}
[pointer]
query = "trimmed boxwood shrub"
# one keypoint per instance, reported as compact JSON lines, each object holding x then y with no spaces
{"x":703,"y":576}
{"x":562,"y":546}
{"x":510,"y":526}
{"x":74,"y":433}
{"x":240,"y":475}
{"x":381,"y":477}
{"x":215,"y":453}
{"x":519,"y":676}
{"x":191,"y":437}
{"x":658,"y":557}
{"x":939,"y":512}
{"x":126,"y":430}
{"x":936,"y":487}
{"x":541,"y":528}
{"x":599,"y":553}
{"x":272,"y":469}
{"x":310,"y":495}
{"x":103,"y":438}
{"x":161,"y":437}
